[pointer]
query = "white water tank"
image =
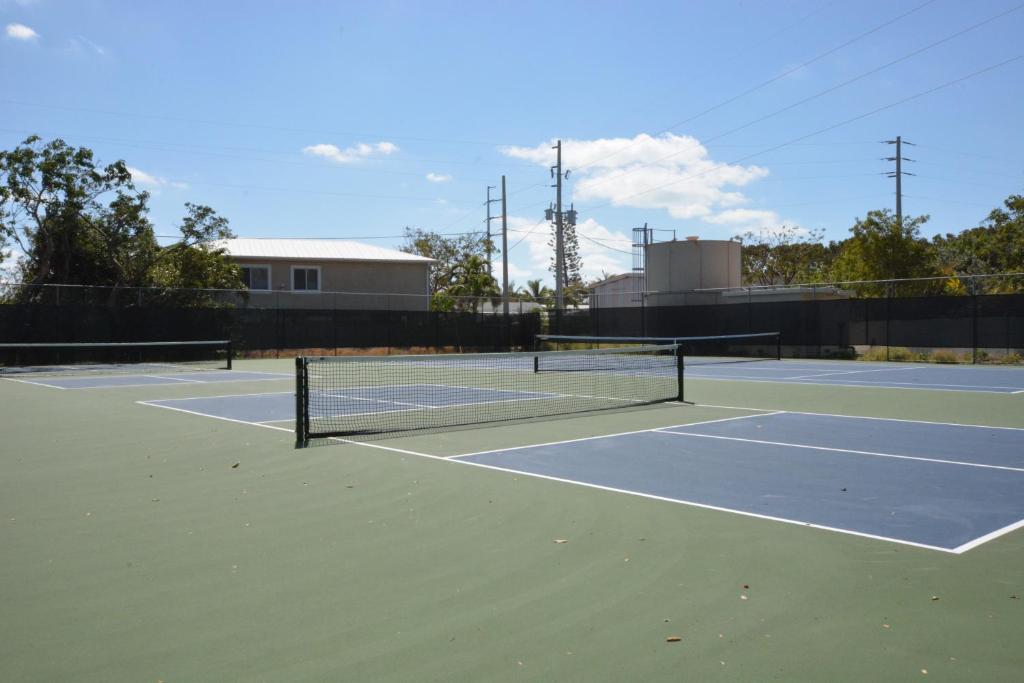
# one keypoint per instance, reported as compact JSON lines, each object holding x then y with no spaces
{"x":693,"y":263}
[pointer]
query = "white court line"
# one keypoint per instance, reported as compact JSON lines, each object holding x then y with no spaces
{"x":864,"y":384}
{"x":856,"y":417}
{"x":201,"y":398}
{"x":988,"y":537}
{"x":840,"y":450}
{"x":215,"y":417}
{"x":854,"y":372}
{"x":705,"y":506}
{"x":164,"y":377}
{"x":169,"y":381}
{"x":956,"y":551}
{"x":604,"y":436}
{"x":41,"y":384}
{"x":371,"y":400}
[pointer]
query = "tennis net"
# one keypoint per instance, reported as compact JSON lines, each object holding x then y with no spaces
{"x":349,"y":395}
{"x":114,"y":357}
{"x":726,"y":348}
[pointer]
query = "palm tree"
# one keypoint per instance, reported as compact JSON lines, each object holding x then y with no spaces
{"x":537,"y":291}
{"x":471,"y":279}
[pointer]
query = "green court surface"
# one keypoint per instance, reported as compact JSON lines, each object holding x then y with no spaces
{"x":142,"y":544}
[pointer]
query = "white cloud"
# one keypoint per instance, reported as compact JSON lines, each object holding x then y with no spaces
{"x":439,"y":178}
{"x":20,"y":32}
{"x":671,"y":172}
{"x":357,"y":152}
{"x":758,"y":217}
{"x":140,"y":177}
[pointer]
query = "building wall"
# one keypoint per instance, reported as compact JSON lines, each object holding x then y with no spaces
{"x":693,"y":264}
{"x":358,"y":284}
{"x":619,"y":293}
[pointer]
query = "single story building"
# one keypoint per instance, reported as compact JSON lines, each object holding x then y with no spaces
{"x":286,"y":272}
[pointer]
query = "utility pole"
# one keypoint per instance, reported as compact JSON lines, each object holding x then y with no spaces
{"x":490,"y":270}
{"x":504,"y":249}
{"x":898,"y":174}
{"x":555,"y":213}
{"x":559,"y":245}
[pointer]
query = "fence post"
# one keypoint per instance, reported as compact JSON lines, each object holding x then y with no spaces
{"x":974,"y":328}
{"x":888,"y":316}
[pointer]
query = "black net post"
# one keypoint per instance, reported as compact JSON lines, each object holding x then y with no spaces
{"x":231,"y":354}
{"x":680,"y":372}
{"x":301,"y":403}
{"x":974,"y":326}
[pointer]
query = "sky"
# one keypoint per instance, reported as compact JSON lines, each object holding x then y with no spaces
{"x":355,"y":120}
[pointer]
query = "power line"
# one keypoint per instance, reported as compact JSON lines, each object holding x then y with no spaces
{"x":763,"y":84}
{"x":827,"y":128}
{"x":816,"y":95}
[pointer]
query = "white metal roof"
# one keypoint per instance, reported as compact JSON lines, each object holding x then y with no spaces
{"x":314,"y":250}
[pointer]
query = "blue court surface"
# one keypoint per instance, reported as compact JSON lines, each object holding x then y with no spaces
{"x":154,"y":379}
{"x":988,"y":379}
{"x":934,"y":377}
{"x":279,"y":406}
{"x":939,"y":486}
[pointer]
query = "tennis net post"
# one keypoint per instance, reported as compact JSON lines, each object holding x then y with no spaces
{"x":301,"y":403}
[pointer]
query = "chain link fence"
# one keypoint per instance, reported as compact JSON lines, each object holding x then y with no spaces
{"x":950,"y":319}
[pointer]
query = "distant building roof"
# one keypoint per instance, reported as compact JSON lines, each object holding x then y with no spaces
{"x":614,"y":278}
{"x":315,"y":250}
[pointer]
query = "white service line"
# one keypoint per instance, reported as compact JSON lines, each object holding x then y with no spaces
{"x":164,"y":377}
{"x":842,"y":450}
{"x":607,"y":436}
{"x":203,"y":398}
{"x":863,"y":384}
{"x":215,"y":417}
{"x":40,"y":384}
{"x":705,"y":506}
{"x":974,"y":543}
{"x":853,"y":372}
{"x":856,"y":417}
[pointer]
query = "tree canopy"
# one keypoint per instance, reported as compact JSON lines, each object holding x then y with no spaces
{"x":79,"y":222}
{"x":882,"y":248}
{"x":461,"y":268}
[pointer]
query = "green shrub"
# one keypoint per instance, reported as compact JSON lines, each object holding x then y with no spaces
{"x":1013,"y":358}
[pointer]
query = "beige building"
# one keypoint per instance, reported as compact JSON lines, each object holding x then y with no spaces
{"x":617,"y":291}
{"x":324,"y":273}
{"x":690,"y":264}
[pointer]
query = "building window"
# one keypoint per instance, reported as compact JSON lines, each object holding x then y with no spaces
{"x":256,"y":277}
{"x":306,"y":279}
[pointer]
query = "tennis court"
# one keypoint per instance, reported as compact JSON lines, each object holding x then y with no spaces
{"x":786,"y":521}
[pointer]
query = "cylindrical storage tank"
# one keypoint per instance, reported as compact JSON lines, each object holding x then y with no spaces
{"x":693,"y":264}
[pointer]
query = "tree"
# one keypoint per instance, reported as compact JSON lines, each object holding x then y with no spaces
{"x":536,"y":291}
{"x":996,"y":246}
{"x":52,"y":206}
{"x":197,"y":262}
{"x":572,"y":283}
{"x":881,"y":248}
{"x":785,"y":256}
{"x":79,"y":223}
{"x":461,"y":265}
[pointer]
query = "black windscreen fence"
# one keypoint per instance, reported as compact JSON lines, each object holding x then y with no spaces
{"x":814,"y":328}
